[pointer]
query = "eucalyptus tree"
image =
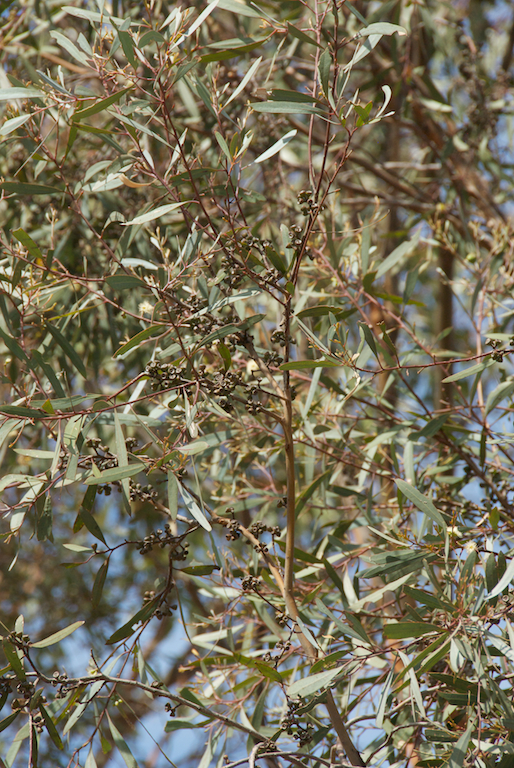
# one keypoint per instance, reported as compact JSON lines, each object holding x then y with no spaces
{"x":256,"y":319}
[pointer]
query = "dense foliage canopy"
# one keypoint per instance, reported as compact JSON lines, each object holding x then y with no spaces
{"x":256,"y":325}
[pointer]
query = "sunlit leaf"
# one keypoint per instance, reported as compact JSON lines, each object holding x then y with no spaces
{"x":156,"y":213}
{"x":314,"y":683}
{"x":115,"y":474}
{"x":57,"y":636}
{"x":421,"y":502}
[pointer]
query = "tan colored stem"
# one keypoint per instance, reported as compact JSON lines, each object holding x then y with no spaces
{"x":343,"y":735}
{"x":289,"y":599}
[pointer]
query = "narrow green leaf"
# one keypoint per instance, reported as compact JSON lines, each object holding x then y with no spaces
{"x":431,"y":601}
{"x":224,"y":352}
{"x":504,"y":582}
{"x":68,"y":46}
{"x":77,"y":548}
{"x":270,"y":672}
{"x":57,"y":636}
{"x":458,"y":756}
{"x":302,"y":365}
{"x":321,"y":310}
{"x":10,"y":94}
{"x":135,"y":126}
{"x":89,"y":521}
{"x":277,"y":147}
{"x":191,"y":449}
{"x":367,"y":335}
{"x":194,"y":509}
{"x":432,"y":653}
{"x":431,"y":427}
{"x":127,"y":629}
{"x":116,"y":473}
{"x":128,"y":47}
{"x":313,"y":683}
{"x":239,"y":8}
{"x":405,"y":629}
{"x":246,"y":79}
{"x":150,"y":37}
{"x":172,"y":495}
{"x":49,"y":372}
{"x":421,"y":502}
{"x":156,"y":213}
{"x":226,"y":330}
{"x":293,"y":97}
{"x":307,"y":493}
{"x":383,"y":28}
{"x":27,"y":243}
{"x":504,"y":648}
{"x":504,"y":390}
{"x":223,"y":145}
{"x":123,"y":282}
{"x":44,"y":520}
{"x":324,"y":66}
{"x":6,"y":722}
{"x":123,"y":463}
{"x":122,"y":745}
{"x":76,"y":714}
{"x":11,"y":125}
{"x":62,"y":403}
{"x":68,"y":350}
{"x":284,"y":108}
{"x":472,"y":371}
{"x":100,"y":105}
{"x":50,"y":727}
{"x":295,"y":32}
{"x":178,"y":724}
{"x":98,"y":586}
{"x":200,"y":570}
{"x":19,"y":188}
{"x":13,"y":659}
{"x":403,"y":250}
{"x":276,"y":259}
{"x":382,"y":702}
{"x":92,"y":16}
{"x":13,"y":346}
{"x":135,"y":341}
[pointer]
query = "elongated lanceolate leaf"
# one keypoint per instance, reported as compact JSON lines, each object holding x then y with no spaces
{"x":13,"y":123}
{"x":27,"y":243}
{"x":504,"y":390}
{"x":504,"y":581}
{"x":313,"y":683}
{"x":382,"y":28}
{"x":472,"y":371}
{"x":421,"y":502}
{"x":122,"y":745}
{"x":403,"y":250}
{"x":276,"y":148}
{"x":405,"y":629}
{"x":99,"y":106}
{"x":9,"y":94}
{"x":57,"y":636}
{"x":20,"y":188}
{"x":68,"y":350}
{"x":153,"y":330}
{"x":155,"y":214}
{"x":244,"y":82}
{"x":116,"y":473}
{"x":194,"y":509}
{"x":284,"y":108}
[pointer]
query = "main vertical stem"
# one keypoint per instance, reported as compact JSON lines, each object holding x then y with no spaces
{"x":291,"y":490}
{"x":335,"y":718}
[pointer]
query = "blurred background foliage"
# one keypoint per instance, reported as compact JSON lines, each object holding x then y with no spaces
{"x":256,"y":324}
